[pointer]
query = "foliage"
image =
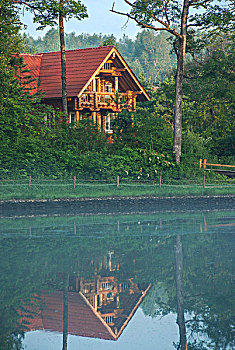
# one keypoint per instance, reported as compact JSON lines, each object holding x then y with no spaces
{"x":173,"y":17}
{"x":46,"y":12}
{"x":142,"y":143}
{"x":21,"y":114}
{"x":148,"y":52}
{"x":210,"y":88}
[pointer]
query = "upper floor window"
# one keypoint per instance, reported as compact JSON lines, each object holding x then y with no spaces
{"x":108,"y":87}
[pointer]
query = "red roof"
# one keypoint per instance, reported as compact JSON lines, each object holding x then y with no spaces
{"x":32,"y":62}
{"x":81,"y":64}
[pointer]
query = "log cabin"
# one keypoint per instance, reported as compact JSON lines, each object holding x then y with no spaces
{"x":100,"y":84}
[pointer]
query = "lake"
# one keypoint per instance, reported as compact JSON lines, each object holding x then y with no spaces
{"x":123,"y":280}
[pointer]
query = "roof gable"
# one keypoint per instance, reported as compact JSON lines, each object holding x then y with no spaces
{"x":80,"y":67}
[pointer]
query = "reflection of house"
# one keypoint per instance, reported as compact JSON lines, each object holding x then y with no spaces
{"x":113,"y":301}
{"x":99,"y":83}
{"x":107,"y":322}
{"x":98,"y":308}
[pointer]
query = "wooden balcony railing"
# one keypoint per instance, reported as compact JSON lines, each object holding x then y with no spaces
{"x":99,"y":100}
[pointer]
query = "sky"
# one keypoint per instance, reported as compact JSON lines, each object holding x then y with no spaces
{"x":100,"y":20}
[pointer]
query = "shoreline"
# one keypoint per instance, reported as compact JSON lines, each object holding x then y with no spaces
{"x":114,"y":205}
{"x":113,"y":198}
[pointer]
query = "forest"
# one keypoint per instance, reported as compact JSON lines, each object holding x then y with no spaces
{"x":147,"y":53}
{"x":141,"y":149}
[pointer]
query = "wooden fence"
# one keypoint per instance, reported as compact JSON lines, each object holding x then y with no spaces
{"x":231,"y":173}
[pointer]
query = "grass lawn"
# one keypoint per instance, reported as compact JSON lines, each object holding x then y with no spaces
{"x":63,"y":189}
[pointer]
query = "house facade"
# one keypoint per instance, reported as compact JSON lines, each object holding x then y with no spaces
{"x":100,"y":84}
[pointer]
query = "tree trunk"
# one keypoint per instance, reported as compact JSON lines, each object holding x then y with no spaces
{"x":63,"y":63}
{"x":179,"y":293}
{"x":65,"y":312}
{"x":177,"y":142}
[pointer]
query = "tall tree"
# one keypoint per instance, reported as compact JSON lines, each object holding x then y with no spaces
{"x":20,"y":110}
{"x":63,"y":59}
{"x":50,"y":13}
{"x":173,"y":17}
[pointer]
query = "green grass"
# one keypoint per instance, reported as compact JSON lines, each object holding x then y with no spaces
{"x":63,"y":189}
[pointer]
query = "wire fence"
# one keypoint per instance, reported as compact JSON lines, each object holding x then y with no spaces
{"x":75,"y":182}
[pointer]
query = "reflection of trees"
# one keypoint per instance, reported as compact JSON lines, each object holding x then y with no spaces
{"x":65,"y":311}
{"x":208,"y":291}
{"x":180,"y":293}
{"x":29,"y":265}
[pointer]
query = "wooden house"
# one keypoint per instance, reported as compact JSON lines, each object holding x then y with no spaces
{"x":100,"y":84}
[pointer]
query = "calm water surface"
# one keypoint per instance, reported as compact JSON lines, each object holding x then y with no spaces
{"x":151,"y":281}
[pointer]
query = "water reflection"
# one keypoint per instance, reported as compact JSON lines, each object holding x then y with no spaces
{"x":98,"y":307}
{"x":86,"y":276}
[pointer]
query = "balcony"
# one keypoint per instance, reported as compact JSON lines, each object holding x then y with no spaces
{"x":107,"y":100}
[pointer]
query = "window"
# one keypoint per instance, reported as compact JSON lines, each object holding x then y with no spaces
{"x":108,"y":87}
{"x":110,"y":295}
{"x":107,"y":123}
{"x":72,"y":117}
{"x":107,"y":66}
{"x":108,"y":319}
{"x":105,"y":285}
{"x":97,"y":84}
{"x":49,"y":119}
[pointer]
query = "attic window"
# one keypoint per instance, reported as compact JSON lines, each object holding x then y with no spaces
{"x":107,"y":66}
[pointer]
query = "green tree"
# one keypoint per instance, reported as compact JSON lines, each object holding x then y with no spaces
{"x":109,"y":41}
{"x":50,"y":13}
{"x":169,"y":16}
{"x":209,"y":87}
{"x":21,"y":114}
{"x":153,"y":51}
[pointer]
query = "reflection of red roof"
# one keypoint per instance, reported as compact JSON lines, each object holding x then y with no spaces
{"x":80,"y":66}
{"x":81,"y":318}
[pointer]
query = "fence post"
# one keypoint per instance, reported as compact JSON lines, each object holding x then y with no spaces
{"x":30,"y":178}
{"x":74,"y":181}
{"x":118,"y":181}
{"x":160,"y":181}
{"x":204,"y":181}
{"x":204,"y":164}
{"x":200,"y":163}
